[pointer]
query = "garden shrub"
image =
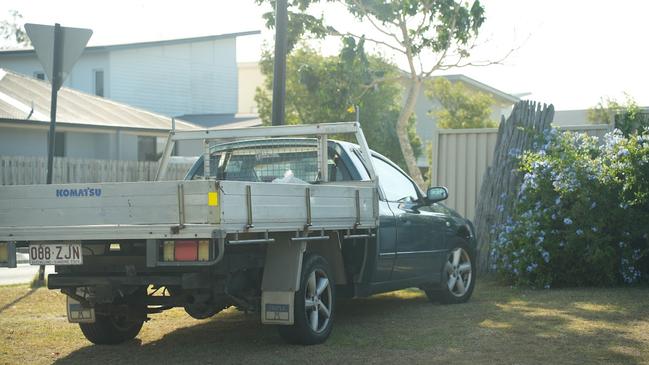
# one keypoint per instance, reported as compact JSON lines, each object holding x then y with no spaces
{"x":581,"y":217}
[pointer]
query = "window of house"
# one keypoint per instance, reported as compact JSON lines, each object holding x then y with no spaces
{"x":39,"y":75}
{"x":99,"y":82}
{"x":59,"y":144}
{"x":146,"y":148}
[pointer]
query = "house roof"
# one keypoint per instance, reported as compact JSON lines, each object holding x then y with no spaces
{"x":25,"y":99}
{"x":484,"y":87}
{"x":223,"y":121}
{"x":169,"y":42}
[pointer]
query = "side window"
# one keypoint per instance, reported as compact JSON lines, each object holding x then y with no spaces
{"x":99,"y":82}
{"x":394,"y":184}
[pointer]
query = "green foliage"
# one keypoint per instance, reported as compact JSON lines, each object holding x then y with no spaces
{"x":321,"y":89}
{"x":300,"y":23}
{"x":441,"y":24}
{"x":13,"y":31}
{"x":460,"y":107}
{"x":418,"y":30}
{"x":581,"y":214}
{"x":626,"y":116}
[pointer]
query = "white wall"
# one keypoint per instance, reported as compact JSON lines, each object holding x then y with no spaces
{"x":250,"y":77}
{"x":88,"y":145}
{"x":188,"y":78}
{"x":195,"y":78}
{"x":23,"y":141}
{"x":23,"y":64}
{"x":81,"y":77}
{"x":571,"y":117}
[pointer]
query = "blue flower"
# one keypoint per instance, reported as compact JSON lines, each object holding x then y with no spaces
{"x":532,"y":266}
{"x":592,"y":206}
{"x":579,"y":232}
{"x":567,"y":221}
{"x":622,"y":152}
{"x":557,"y":201}
{"x":546,"y":256}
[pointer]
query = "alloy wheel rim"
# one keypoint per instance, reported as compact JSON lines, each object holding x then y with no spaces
{"x":458,"y":272}
{"x":317,"y":300}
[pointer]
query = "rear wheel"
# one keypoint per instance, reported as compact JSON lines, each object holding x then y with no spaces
{"x":111,"y":329}
{"x":458,"y":277}
{"x":313,"y":305}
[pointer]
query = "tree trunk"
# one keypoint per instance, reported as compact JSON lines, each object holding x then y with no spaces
{"x":402,"y":131}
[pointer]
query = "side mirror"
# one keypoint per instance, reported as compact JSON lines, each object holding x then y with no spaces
{"x":436,"y":194}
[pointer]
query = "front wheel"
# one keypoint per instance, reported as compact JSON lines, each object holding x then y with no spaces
{"x":111,"y":329}
{"x":458,"y":277}
{"x":313,"y":305}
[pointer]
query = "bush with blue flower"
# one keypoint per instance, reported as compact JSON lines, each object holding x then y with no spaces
{"x":582,"y":213}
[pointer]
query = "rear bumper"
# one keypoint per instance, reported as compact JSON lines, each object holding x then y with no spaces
{"x":185,"y":281}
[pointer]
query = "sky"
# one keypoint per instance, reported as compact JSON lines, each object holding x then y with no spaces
{"x":569,"y":53}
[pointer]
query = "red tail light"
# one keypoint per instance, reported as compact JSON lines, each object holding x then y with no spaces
{"x":186,"y":251}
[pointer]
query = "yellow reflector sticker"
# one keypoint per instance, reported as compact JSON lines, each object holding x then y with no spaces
{"x":203,"y":250}
{"x":168,"y":251}
{"x":212,"y":199}
{"x":4,"y":252}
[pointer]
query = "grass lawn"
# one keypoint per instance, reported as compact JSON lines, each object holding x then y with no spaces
{"x":500,"y":325}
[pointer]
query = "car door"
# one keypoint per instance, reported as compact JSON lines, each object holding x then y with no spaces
{"x":419,"y":232}
{"x":387,"y":243}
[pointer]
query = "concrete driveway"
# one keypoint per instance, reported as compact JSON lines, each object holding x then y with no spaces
{"x":22,"y":274}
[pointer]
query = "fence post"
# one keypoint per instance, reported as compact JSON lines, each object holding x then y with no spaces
{"x":434,"y":150}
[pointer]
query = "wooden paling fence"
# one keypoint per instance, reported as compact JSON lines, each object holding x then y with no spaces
{"x":17,"y":170}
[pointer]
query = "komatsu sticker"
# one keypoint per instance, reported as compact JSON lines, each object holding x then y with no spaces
{"x":74,"y":193}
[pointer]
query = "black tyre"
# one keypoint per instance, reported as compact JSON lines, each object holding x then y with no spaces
{"x":111,"y":330}
{"x":458,"y":277}
{"x":314,"y":304}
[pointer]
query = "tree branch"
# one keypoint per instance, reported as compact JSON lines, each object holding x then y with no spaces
{"x":338,"y":34}
{"x":459,"y":63}
{"x":408,"y":46}
{"x":366,"y":15}
{"x":378,"y":81}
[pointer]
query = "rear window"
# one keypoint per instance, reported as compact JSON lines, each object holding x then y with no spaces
{"x":270,"y":163}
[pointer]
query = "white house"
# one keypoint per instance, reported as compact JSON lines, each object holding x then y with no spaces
{"x":88,"y":126}
{"x":426,"y":124}
{"x":191,"y":76}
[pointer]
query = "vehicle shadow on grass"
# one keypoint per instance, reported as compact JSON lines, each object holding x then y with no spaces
{"x":517,"y":327}
{"x":18,"y":300}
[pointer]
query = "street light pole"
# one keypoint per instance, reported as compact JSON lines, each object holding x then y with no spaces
{"x":279,"y":74}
